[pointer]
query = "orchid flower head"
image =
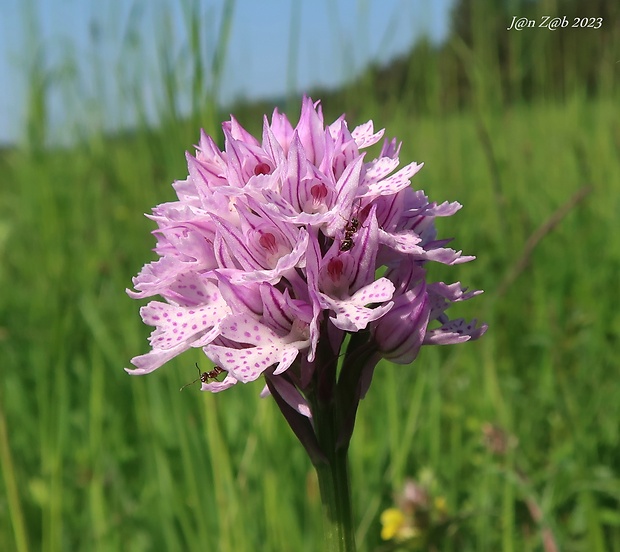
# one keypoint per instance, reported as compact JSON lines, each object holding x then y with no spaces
{"x":270,"y":256}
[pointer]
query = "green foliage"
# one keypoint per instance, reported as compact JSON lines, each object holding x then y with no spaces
{"x":105,"y":461}
{"x":92,"y":459}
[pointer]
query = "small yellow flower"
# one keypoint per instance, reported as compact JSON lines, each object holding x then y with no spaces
{"x":392,"y":521}
{"x":441,"y":505}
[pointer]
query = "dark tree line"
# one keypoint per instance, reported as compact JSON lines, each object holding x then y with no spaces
{"x":482,"y":63}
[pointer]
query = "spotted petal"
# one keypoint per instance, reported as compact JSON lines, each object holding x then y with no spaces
{"x":351,"y":314}
{"x":176,"y":330}
{"x":257,"y":348}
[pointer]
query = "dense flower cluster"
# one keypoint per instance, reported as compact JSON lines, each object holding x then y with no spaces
{"x":270,"y":257}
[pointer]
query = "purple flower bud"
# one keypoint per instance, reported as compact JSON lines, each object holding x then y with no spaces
{"x":400,"y":333}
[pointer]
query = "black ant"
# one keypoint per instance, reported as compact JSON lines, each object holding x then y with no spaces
{"x":204,"y":377}
{"x":350,"y":228}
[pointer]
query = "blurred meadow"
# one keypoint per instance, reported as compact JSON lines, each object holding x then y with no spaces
{"x":520,"y":430}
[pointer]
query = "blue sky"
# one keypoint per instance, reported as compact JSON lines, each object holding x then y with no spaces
{"x":89,"y":78}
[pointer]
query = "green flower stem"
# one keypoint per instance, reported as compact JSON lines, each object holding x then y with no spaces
{"x":333,"y":484}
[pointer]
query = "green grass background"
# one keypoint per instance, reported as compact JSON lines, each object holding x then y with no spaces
{"x":92,"y":459}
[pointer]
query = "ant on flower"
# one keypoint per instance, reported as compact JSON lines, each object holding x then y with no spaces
{"x":204,"y":377}
{"x":350,"y":228}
